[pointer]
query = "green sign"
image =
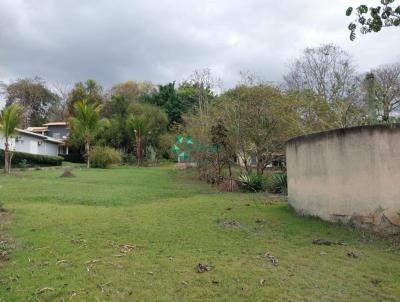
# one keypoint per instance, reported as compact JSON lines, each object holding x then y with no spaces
{"x":182,"y":147}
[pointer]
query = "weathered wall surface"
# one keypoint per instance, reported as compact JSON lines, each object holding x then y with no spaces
{"x":345,"y":172}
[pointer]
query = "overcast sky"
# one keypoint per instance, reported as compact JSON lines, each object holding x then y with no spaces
{"x":165,"y":40}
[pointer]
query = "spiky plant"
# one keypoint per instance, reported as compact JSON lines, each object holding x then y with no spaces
{"x":278,"y":183}
{"x":252,"y":182}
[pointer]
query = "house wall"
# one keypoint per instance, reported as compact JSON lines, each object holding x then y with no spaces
{"x":30,"y":144}
{"x":338,"y":173}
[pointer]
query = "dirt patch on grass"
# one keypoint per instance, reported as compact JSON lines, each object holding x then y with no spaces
{"x":231,"y":224}
{"x":67,"y":173}
{"x":6,"y":245}
{"x":5,"y":217}
{"x":6,"y":242}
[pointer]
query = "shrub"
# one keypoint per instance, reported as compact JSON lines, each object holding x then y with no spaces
{"x":129,"y":159}
{"x":103,"y":157}
{"x":277,"y":183}
{"x":23,"y":165}
{"x":74,"y":158}
{"x":32,"y":159}
{"x":252,"y":182}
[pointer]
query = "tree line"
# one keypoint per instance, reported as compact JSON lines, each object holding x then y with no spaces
{"x":321,"y":90}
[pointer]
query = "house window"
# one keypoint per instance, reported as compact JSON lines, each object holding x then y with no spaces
{"x":56,"y":135}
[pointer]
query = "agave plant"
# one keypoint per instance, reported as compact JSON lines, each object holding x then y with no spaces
{"x":278,"y":183}
{"x":252,"y":182}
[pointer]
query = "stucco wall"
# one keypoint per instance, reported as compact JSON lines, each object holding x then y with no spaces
{"x":337,"y":173}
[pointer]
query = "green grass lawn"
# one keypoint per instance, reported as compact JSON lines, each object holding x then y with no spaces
{"x":68,"y":234}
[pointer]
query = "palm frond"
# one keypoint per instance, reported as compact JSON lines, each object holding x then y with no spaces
{"x":10,"y":119}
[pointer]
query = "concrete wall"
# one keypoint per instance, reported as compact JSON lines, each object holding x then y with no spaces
{"x":338,"y":173}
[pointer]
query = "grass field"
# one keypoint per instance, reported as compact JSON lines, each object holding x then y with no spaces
{"x":73,"y":241}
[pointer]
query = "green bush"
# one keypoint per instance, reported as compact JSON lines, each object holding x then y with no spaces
{"x":129,"y":159}
{"x":23,"y":165}
{"x":277,"y":183}
{"x":252,"y":182}
{"x":74,"y":158}
{"x":29,"y":159}
{"x":103,"y":157}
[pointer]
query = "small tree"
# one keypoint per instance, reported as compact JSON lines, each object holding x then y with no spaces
{"x":86,"y":125}
{"x":224,"y":154}
{"x":138,"y":124}
{"x":148,"y":122}
{"x":9,"y":119}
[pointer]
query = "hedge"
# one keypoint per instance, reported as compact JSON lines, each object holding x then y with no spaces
{"x":32,"y":159}
{"x":74,"y":158}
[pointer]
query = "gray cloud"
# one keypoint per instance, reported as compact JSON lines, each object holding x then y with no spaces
{"x":116,"y":40}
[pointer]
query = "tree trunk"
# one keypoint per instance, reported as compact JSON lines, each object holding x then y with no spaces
{"x":87,"y":147}
{"x":138,"y":150}
{"x":6,"y":157}
{"x":260,"y":164}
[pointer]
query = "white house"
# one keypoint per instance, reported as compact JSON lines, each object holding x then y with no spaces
{"x":55,"y":130}
{"x":30,"y":142}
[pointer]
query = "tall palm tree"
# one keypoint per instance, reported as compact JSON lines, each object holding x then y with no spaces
{"x":9,"y":120}
{"x":86,"y":124}
{"x":147,"y":122}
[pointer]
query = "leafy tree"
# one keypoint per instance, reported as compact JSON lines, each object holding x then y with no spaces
{"x":132,"y":91}
{"x":315,"y":113}
{"x":89,"y":91}
{"x":175,"y":102}
{"x":34,"y":98}
{"x":9,"y":120}
{"x":167,"y":98}
{"x":386,"y":79}
{"x":373,"y":19}
{"x":261,"y":118}
{"x":188,"y":96}
{"x":118,"y":135}
{"x":85,"y":125}
{"x":224,"y":153}
{"x":147,"y":122}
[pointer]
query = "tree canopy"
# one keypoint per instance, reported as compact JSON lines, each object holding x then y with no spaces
{"x":85,"y":125}
{"x":34,"y":98}
{"x":90,"y":91}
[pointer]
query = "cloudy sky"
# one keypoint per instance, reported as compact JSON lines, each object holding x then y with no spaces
{"x":165,"y":40}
